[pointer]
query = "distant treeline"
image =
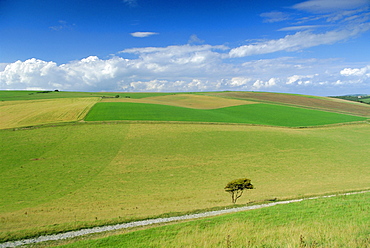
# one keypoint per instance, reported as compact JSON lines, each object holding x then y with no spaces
{"x":357,"y":98}
{"x":45,"y":91}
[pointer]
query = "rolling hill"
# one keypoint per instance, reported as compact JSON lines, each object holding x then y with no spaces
{"x":62,"y":174}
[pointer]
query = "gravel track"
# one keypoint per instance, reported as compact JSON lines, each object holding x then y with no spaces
{"x":82,"y":232}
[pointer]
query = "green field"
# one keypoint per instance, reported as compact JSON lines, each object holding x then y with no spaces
{"x":37,"y":95}
{"x":336,"y":222}
{"x":262,"y":114}
{"x":65,"y":177}
{"x":60,"y":177}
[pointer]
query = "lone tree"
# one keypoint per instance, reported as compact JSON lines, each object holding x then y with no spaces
{"x":237,"y":186}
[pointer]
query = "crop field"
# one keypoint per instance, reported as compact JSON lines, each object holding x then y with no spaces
{"x":67,"y":177}
{"x":36,"y":112}
{"x":330,"y":222}
{"x":128,"y":156}
{"x":328,"y":104}
{"x":263,"y":114}
{"x":185,"y":100}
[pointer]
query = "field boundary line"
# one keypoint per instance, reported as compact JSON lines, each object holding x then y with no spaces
{"x":83,"y":122}
{"x":367,"y":121}
{"x":73,"y":234}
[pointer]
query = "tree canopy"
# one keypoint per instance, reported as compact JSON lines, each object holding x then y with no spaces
{"x":237,"y":187}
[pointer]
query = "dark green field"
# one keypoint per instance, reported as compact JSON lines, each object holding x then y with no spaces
{"x":262,"y":114}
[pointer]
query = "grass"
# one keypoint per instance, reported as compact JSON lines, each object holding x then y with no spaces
{"x":341,"y":221}
{"x":64,"y":177}
{"x":61,"y":178}
{"x":263,"y":114}
{"x":37,"y":112}
{"x":38,"y":95}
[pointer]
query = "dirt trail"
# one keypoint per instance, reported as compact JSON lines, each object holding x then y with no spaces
{"x":73,"y":234}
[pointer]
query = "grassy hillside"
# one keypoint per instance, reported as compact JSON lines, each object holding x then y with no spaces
{"x":331,"y":222}
{"x":65,"y":177}
{"x":29,"y":108}
{"x":37,"y":95}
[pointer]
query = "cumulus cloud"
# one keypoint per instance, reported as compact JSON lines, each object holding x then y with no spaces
{"x":143,"y":34}
{"x":239,"y":81}
{"x":365,"y":71}
{"x":258,"y":84}
{"x":298,"y":41}
{"x":185,"y":68}
{"x":27,"y":73}
{"x":88,"y":73}
{"x":154,"y":69}
{"x":178,"y":60}
{"x":300,"y":79}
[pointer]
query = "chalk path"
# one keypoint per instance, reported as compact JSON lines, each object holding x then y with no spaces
{"x":82,"y":232}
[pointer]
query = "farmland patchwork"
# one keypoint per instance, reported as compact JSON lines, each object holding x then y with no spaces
{"x":134,"y":158}
{"x":261,"y":114}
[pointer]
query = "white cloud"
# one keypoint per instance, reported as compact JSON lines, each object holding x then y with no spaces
{"x":325,"y":6}
{"x":186,"y":68}
{"x":259,"y":84}
{"x":239,"y":81}
{"x":174,"y":50}
{"x":360,"y":15}
{"x":299,"y":79}
{"x":334,"y":12}
{"x":178,"y":60}
{"x":190,"y":85}
{"x":143,"y":34}
{"x":274,"y":16}
{"x":88,"y":73}
{"x":338,"y":82}
{"x":365,"y":71}
{"x":302,"y":27}
{"x":298,"y":41}
{"x":28,"y":71}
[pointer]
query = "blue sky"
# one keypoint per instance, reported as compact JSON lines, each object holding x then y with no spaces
{"x":314,"y":47}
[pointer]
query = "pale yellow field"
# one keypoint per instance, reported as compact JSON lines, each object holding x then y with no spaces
{"x":185,"y":100}
{"x":36,"y":112}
